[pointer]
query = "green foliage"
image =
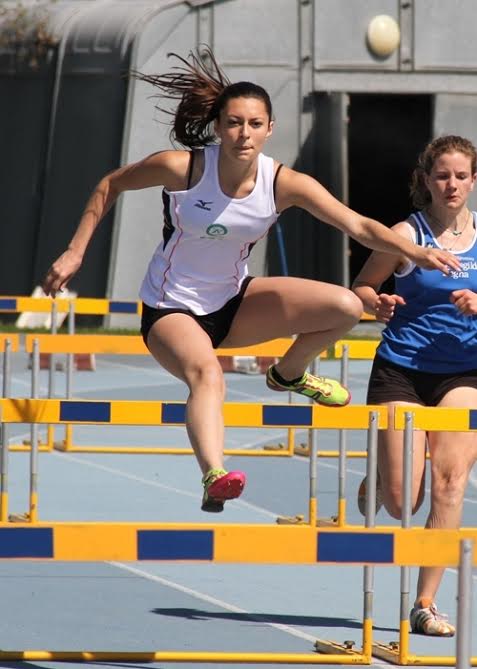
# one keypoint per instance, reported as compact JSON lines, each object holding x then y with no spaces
{"x":24,"y":32}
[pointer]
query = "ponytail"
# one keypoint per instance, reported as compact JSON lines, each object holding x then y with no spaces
{"x":196,"y":85}
{"x":202,"y":91}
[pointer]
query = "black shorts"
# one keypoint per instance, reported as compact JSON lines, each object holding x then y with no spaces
{"x":389,"y":382}
{"x":216,"y":324}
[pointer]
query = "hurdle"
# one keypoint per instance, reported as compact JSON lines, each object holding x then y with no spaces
{"x":11,"y":344}
{"x":343,"y":350}
{"x":303,"y":544}
{"x":280,"y":546}
{"x":419,"y":418}
{"x":234,"y":544}
{"x":70,"y":306}
{"x":326,"y":546}
{"x":134,"y":345}
{"x":105,"y":307}
{"x":156,"y":413}
{"x":428,"y":419}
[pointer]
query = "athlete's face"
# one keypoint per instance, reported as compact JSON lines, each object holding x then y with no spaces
{"x":243,"y":126}
{"x":451,"y":180}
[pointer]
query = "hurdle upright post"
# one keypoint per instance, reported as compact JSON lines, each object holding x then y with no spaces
{"x":313,"y":465}
{"x":50,"y":433}
{"x":464,"y":606}
{"x":69,"y":375}
{"x":370,"y":521}
{"x":33,"y":511}
{"x":341,"y":519}
{"x":406,"y":523}
{"x":6,"y":388}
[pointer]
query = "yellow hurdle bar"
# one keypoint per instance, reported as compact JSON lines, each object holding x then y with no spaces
{"x":82,"y":305}
{"x":228,"y":543}
{"x":437,"y":419}
{"x":357,"y":349}
{"x":236,"y":414}
{"x":134,"y":345}
{"x":178,"y":656}
{"x":14,"y":341}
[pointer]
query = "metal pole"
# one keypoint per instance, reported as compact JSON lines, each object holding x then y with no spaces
{"x":406,"y":515}
{"x":313,"y":448}
{"x":50,"y":440}
{"x":6,"y":388}
{"x":370,"y":520}
{"x":33,"y":512}
{"x":69,"y":375}
{"x":342,"y":447}
{"x":70,"y":356}
{"x":464,"y":606}
{"x":54,"y":330}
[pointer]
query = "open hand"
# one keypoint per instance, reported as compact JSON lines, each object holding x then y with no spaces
{"x":465,"y":301}
{"x":430,"y":258}
{"x":385,"y":305}
{"x":61,"y":271}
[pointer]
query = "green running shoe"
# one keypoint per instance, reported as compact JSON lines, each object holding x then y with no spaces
{"x":328,"y":392}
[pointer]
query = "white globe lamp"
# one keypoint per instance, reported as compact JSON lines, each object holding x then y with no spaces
{"x":383,"y":35}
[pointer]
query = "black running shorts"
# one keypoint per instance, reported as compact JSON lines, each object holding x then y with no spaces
{"x":389,"y":382}
{"x":216,"y":324}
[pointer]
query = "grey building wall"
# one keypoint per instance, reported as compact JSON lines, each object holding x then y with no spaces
{"x":313,"y":58}
{"x":267,"y":62}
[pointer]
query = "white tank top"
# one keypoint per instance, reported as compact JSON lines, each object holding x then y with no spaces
{"x":207,"y":237}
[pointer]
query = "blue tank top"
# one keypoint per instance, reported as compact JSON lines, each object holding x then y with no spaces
{"x":429,"y":334}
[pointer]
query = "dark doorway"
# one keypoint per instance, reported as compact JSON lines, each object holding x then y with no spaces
{"x":385,"y":136}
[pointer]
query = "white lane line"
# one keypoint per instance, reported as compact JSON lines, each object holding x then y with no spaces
{"x":156,"y":484}
{"x":455,"y":571}
{"x":473,"y":478}
{"x":212,"y":600}
{"x":123,"y":474}
{"x":157,"y":371}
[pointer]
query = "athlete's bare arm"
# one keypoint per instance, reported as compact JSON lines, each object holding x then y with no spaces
{"x":166,"y":168}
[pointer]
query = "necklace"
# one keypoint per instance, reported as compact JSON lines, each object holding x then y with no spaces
{"x":454,"y":232}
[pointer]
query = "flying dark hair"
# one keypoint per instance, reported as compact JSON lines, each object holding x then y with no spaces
{"x":420,"y":195}
{"x":202,"y":91}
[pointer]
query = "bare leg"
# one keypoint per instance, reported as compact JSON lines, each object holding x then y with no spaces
{"x":390,"y":466}
{"x":180,"y":345}
{"x":319,"y":313}
{"x":452,"y":456}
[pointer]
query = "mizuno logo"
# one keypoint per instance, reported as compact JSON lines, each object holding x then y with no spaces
{"x":201,"y":204}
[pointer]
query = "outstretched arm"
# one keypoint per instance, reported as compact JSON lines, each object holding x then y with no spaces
{"x":167,"y":168}
{"x":300,"y":190}
{"x":379,"y":267}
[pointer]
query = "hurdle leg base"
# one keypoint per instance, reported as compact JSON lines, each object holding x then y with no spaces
{"x":387,"y":651}
{"x":300,"y":519}
{"x":275,"y":447}
{"x":325,"y":647}
{"x":60,"y":446}
{"x":327,"y":522}
{"x":19,"y":518}
{"x":291,"y":520}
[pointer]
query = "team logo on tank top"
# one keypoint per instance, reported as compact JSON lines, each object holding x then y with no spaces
{"x":216,"y":231}
{"x":203,"y":204}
